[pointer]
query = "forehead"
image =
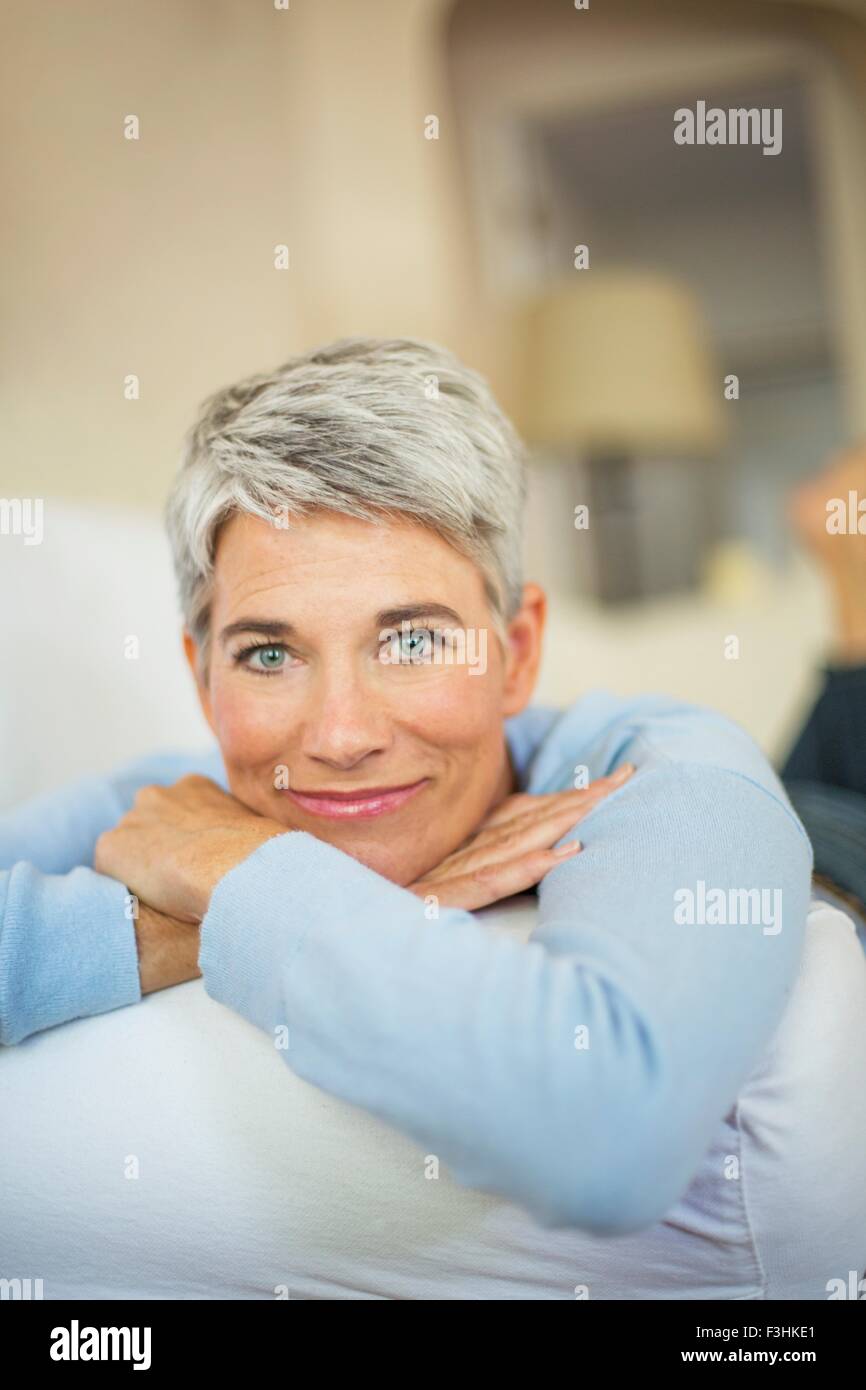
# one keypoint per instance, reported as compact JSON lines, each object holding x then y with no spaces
{"x":328,"y":555}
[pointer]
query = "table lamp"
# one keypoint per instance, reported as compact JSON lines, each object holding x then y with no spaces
{"x":618,"y":369}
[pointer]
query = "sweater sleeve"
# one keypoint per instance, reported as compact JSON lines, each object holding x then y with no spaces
{"x":581,"y":1074}
{"x":67,"y":948}
{"x":67,"y":936}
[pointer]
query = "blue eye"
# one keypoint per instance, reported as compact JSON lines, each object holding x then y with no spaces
{"x":264,"y":660}
{"x":416,"y":645}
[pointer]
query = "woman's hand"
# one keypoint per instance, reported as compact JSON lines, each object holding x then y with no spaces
{"x":177,"y":842}
{"x":513,"y":849}
{"x":838,"y":547}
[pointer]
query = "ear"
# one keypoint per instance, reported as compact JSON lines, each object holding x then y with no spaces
{"x":194,"y":656}
{"x":523,"y":650}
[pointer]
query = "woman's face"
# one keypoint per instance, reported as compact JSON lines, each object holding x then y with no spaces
{"x":357,"y":687}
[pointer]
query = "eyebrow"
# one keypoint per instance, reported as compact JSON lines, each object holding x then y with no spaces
{"x":388,"y":617}
{"x":391,"y":617}
{"x":266,"y":627}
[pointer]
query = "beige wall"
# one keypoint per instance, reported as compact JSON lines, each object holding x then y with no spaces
{"x":156,"y":257}
{"x":258,"y":127}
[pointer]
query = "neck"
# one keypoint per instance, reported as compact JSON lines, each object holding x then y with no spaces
{"x":507,"y":783}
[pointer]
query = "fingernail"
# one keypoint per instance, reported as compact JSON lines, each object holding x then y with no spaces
{"x":571,"y":847}
{"x":625,"y":771}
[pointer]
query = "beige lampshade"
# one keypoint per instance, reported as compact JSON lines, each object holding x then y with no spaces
{"x":619,"y":362}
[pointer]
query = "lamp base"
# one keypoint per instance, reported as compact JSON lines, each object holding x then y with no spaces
{"x":613,"y":523}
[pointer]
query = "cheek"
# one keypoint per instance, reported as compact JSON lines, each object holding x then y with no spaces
{"x":459,"y":712}
{"x":244,"y":724}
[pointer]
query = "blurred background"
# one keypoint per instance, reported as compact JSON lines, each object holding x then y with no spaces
{"x":679,"y":330}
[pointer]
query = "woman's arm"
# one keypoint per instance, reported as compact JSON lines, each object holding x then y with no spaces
{"x":582,"y":1074}
{"x":67,"y":948}
{"x":72,"y":941}
{"x":57,"y":831}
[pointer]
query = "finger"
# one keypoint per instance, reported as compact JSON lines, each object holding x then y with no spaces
{"x":556,"y":810}
{"x":523,"y":803}
{"x":494,"y":882}
{"x":535,"y":821}
{"x":507,"y":843}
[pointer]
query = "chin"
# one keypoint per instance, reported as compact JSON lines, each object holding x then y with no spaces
{"x":389,"y":860}
{"x":397,"y":857}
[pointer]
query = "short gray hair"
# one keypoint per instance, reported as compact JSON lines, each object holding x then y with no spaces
{"x":369,"y":427}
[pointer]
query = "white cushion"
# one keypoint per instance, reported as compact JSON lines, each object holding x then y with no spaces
{"x":72,"y":701}
{"x":251,"y":1181}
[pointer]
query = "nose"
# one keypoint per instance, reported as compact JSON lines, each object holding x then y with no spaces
{"x":347,"y":721}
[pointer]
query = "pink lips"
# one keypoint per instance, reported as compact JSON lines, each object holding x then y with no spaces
{"x":359,"y":805}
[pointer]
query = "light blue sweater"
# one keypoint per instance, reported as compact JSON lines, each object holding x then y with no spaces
{"x":582,"y":1074}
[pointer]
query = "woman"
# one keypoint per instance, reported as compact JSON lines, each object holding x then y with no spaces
{"x":342,"y":528}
